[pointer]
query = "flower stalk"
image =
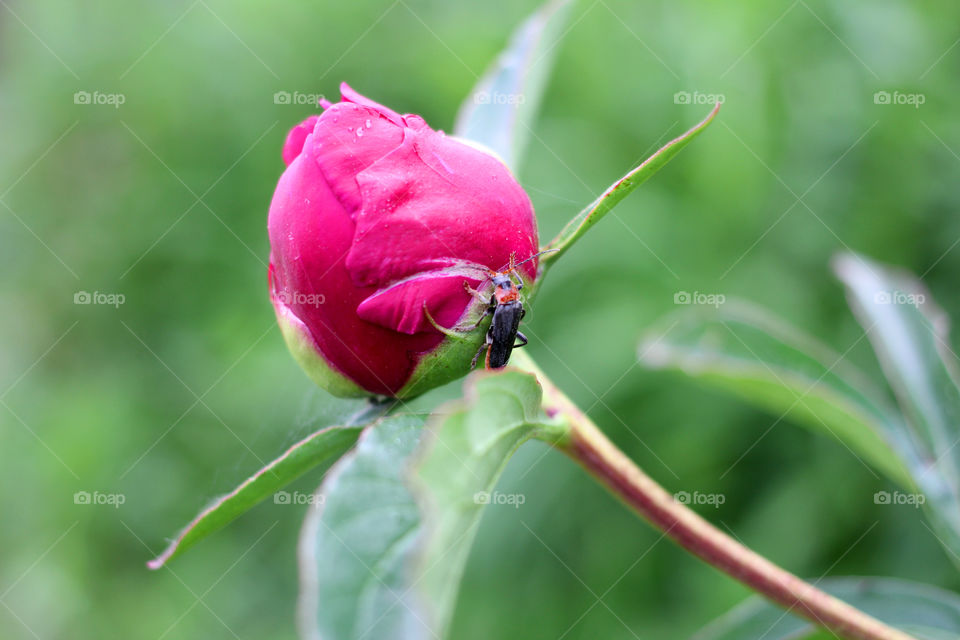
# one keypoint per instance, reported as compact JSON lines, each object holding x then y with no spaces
{"x":583,"y":441}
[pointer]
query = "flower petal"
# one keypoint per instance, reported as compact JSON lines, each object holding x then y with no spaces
{"x":295,"y":139}
{"x":348,"y":139}
{"x":401,"y":306}
{"x":434,"y":202}
{"x":349,"y":95}
{"x":309,"y":233}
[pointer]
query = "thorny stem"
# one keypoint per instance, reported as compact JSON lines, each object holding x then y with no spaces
{"x":590,"y":448}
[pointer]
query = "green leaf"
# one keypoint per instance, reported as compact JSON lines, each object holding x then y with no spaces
{"x":382,"y":554}
{"x":753,"y":354}
{"x":762,"y":359}
{"x":619,"y":190}
{"x":356,"y":544}
{"x":464,"y":454}
{"x":926,"y":612}
{"x":320,"y":447}
{"x":909,"y":335}
{"x":500,"y":111}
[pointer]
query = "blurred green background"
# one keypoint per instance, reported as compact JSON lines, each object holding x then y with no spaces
{"x":186,"y":387}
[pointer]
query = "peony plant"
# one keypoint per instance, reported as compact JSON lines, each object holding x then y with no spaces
{"x":380,"y":230}
{"x":391,"y":242}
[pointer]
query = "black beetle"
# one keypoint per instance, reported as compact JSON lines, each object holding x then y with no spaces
{"x":507,"y":309}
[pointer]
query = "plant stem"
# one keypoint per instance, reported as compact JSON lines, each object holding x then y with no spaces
{"x":589,"y":447}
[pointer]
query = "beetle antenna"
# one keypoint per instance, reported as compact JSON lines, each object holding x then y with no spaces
{"x":539,"y":253}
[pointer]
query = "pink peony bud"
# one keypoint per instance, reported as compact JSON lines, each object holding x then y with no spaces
{"x":377,"y":218}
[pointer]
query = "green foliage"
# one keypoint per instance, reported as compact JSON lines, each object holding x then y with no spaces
{"x":87,"y":406}
{"x":774,"y":365}
{"x":502,"y":107}
{"x":357,"y":543}
{"x":465,"y":452}
{"x":325,"y":445}
{"x":925,"y":612}
{"x":763,"y":359}
{"x":619,"y":190}
{"x":909,"y":334}
{"x":383,"y":553}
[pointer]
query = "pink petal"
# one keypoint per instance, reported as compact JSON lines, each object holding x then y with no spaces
{"x":349,"y":95}
{"x":434,"y":202}
{"x":400,"y":307}
{"x":296,"y":138}
{"x":348,"y":139}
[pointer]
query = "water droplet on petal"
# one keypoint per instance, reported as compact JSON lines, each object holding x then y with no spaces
{"x":368,"y":124}
{"x":359,"y":132}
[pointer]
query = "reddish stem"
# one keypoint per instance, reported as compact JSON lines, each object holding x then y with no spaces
{"x":587,"y":445}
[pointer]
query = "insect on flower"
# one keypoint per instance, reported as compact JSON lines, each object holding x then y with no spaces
{"x":346,"y":226}
{"x":506,"y":306}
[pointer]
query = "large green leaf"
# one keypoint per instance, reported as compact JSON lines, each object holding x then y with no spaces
{"x":926,"y":612}
{"x":764,"y":360}
{"x":500,"y":110}
{"x":619,"y":190}
{"x":382,"y":553}
{"x":909,"y":335}
{"x":464,"y":454}
{"x":320,"y":447}
{"x":356,"y":544}
{"x":753,"y":354}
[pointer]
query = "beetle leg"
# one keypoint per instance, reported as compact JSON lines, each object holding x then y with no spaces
{"x":487,"y":312}
{"x":520,"y":336}
{"x":473,"y":292}
{"x":473,"y":363}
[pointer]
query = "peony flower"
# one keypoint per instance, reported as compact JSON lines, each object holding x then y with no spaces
{"x":376,"y":226}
